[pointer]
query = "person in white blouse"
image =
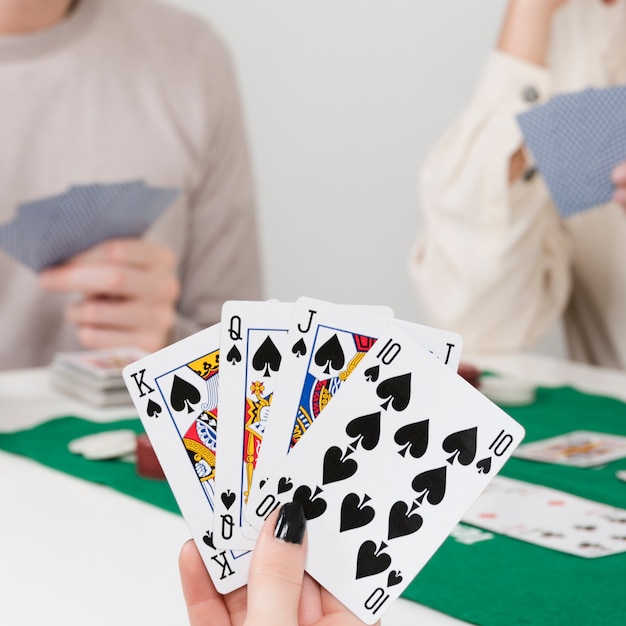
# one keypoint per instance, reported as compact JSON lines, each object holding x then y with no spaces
{"x":494,"y":260}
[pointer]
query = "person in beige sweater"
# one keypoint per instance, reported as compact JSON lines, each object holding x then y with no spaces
{"x":495,"y":261}
{"x":106,"y":91}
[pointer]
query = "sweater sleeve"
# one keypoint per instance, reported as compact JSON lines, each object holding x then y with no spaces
{"x":222,"y":259}
{"x":492,"y":260}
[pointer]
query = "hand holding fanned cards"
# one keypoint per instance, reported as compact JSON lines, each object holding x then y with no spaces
{"x":387,"y":470}
{"x":392,"y":445}
{"x":51,"y":230}
{"x":576,"y":139}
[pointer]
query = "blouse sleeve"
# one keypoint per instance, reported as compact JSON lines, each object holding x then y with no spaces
{"x":492,"y":260}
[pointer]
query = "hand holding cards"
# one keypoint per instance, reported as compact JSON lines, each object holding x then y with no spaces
{"x":392,"y":445}
{"x":51,"y":230}
{"x":576,"y":140}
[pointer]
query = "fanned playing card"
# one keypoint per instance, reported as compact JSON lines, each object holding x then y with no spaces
{"x":175,"y":391}
{"x":576,"y":139}
{"x":252,"y":341}
{"x":325,"y":343}
{"x":387,"y":470}
{"x":48,"y":231}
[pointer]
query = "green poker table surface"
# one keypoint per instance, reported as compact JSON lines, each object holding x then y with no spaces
{"x":487,"y":581}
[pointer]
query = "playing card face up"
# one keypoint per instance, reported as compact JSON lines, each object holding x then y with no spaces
{"x":175,"y":393}
{"x":580,"y":448}
{"x":549,"y":518}
{"x":252,"y":340}
{"x":387,"y":471}
{"x":576,"y":140}
{"x":324,"y":344}
{"x":384,"y":472}
{"x":51,"y":230}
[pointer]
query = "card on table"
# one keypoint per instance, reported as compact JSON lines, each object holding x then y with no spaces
{"x":549,"y":518}
{"x":387,"y":470}
{"x":580,"y":448}
{"x":325,"y":343}
{"x":252,"y":340}
{"x":175,"y":391}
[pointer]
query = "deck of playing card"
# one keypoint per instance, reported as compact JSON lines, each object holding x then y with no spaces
{"x":50,"y":230}
{"x":359,"y":416}
{"x":576,"y":140}
{"x":94,"y":376}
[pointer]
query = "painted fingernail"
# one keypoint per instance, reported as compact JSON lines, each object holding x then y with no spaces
{"x":291,"y":523}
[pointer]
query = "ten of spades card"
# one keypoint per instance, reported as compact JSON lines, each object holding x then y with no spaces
{"x":324,"y":344}
{"x":252,"y":339}
{"x":175,"y":393}
{"x":388,"y":469}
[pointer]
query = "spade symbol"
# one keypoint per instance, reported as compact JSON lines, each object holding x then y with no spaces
{"x":208,"y":539}
{"x":371,"y":560}
{"x":484,"y":465}
{"x":153,"y":409}
{"x":299,"y":348}
{"x":312,"y":506}
{"x":228,"y":497}
{"x":267,"y":357}
{"x":354,"y":513}
{"x":396,"y":390}
{"x":233,"y":356}
{"x":330,"y":354}
{"x":414,"y":438}
{"x":431,"y":484}
{"x":337,"y":468}
{"x":372,"y":373}
{"x":183,"y":395}
{"x":401,"y":522}
{"x":366,"y":429}
{"x":462,"y":445}
{"x":284,"y":484}
{"x":394,"y":578}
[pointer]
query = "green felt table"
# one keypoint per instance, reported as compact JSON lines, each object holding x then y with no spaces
{"x":492,"y":580}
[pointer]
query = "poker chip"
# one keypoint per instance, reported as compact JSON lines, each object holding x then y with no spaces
{"x":507,"y":391}
{"x":470,"y":373}
{"x":111,"y":444}
{"x":621,"y":475}
{"x":147,"y":463}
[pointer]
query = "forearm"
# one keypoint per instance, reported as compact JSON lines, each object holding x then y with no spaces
{"x":526,"y":28}
{"x":525,"y":34}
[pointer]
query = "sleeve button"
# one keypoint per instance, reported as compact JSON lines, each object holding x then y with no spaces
{"x":530,"y":94}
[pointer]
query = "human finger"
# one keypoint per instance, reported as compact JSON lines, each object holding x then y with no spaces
{"x":102,"y":337}
{"x":131,"y":251}
{"x":205,"y":606}
{"x":123,"y":314}
{"x":277,"y":569}
{"x":155,"y":284}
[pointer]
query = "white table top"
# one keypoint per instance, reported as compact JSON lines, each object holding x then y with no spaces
{"x":74,"y":553}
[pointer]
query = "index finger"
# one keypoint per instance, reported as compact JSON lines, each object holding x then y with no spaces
{"x":132,"y":251}
{"x":277,"y":569}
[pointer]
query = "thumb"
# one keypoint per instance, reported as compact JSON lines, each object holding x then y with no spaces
{"x":277,"y":569}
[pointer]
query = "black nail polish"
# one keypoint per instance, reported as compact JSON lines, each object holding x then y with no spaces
{"x":291,"y":523}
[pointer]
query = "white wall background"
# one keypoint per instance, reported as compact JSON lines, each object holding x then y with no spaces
{"x":343,"y":99}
